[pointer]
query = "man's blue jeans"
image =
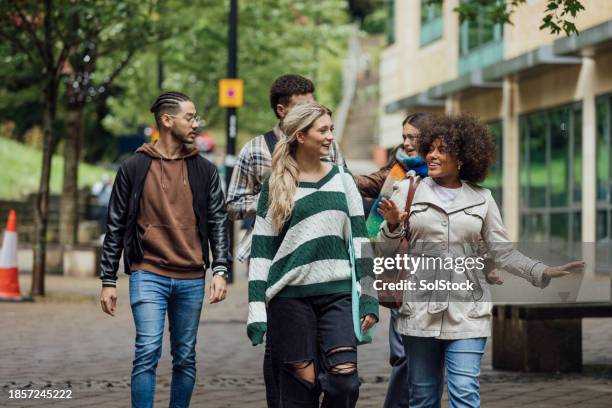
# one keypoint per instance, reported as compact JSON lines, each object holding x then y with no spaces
{"x":429,"y":356}
{"x":151,"y":296}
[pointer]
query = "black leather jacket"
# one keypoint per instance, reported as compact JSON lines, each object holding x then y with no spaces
{"x":122,"y":232}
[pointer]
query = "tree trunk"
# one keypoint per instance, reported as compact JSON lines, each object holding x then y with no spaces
{"x":69,"y":207}
{"x":41,"y":210}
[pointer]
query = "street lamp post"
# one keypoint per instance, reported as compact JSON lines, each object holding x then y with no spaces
{"x":232,"y":116}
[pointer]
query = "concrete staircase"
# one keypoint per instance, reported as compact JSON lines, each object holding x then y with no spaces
{"x":360,"y":133}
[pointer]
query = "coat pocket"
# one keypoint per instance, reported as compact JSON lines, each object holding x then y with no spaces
{"x":478,"y":310}
{"x":479,"y":211}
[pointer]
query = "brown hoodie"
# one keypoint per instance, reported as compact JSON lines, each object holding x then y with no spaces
{"x":166,"y":220}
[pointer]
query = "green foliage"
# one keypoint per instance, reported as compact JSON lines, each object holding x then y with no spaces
{"x":119,"y":48}
{"x":22,"y":170}
{"x":558,"y":14}
{"x":375,"y":22}
{"x":275,"y":37}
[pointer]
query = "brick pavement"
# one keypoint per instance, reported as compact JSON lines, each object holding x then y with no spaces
{"x":65,"y":342}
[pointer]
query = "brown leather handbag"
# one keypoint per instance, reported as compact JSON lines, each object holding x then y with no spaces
{"x":393,"y":299}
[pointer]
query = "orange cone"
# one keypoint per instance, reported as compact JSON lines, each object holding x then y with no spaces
{"x":9,"y":272}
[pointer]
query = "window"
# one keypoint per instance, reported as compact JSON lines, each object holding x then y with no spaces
{"x":431,"y":21}
{"x":604,"y":169}
{"x":390,"y":26}
{"x":480,"y":42}
{"x":550,"y":175}
{"x":494,"y":180}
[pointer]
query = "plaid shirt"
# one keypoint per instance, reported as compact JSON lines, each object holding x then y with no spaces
{"x":251,"y":169}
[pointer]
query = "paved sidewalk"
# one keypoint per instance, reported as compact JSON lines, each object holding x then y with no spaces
{"x":65,"y":342}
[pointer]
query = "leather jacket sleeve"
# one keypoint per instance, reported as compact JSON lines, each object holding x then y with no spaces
{"x":217,"y":225}
{"x":115,"y":228}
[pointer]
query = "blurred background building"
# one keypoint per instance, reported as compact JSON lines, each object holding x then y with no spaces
{"x":547,"y":99}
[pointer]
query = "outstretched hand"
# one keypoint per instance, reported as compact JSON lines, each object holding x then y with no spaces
{"x":563,"y":270}
{"x":391,"y":213}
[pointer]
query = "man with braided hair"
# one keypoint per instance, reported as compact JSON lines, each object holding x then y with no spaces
{"x":166,"y":207}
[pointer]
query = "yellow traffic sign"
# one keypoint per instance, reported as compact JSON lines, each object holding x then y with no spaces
{"x":231,"y":93}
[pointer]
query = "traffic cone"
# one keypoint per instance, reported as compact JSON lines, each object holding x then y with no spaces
{"x":9,"y":272}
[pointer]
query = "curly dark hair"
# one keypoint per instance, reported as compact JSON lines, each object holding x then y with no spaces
{"x":285,"y":86}
{"x":467,"y":139}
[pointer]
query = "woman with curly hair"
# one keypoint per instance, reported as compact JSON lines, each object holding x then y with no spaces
{"x":451,"y":217}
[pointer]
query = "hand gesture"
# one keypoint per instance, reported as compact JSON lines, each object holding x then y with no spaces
{"x":391,"y":213}
{"x":563,"y":270}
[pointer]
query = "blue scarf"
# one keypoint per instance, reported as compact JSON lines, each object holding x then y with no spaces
{"x":411,"y":163}
{"x":397,"y":173}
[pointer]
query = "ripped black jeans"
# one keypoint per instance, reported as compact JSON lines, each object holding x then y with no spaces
{"x":315,"y":333}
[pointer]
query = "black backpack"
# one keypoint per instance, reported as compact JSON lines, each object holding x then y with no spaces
{"x":270,"y":141}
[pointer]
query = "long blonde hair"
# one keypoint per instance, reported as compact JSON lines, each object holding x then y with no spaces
{"x":285,"y":171}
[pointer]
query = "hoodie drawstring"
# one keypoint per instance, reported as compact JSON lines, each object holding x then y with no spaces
{"x":161,"y":162}
{"x":183,"y":171}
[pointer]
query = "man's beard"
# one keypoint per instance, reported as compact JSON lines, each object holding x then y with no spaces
{"x":182,"y":137}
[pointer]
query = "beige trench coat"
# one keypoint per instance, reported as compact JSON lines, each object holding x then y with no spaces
{"x":470,"y":227}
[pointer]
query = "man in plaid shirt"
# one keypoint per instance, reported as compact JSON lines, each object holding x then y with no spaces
{"x":254,"y":161}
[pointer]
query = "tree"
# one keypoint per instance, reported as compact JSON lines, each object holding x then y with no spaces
{"x":64,"y":40}
{"x":41,"y":33}
{"x":106,"y":30}
{"x":275,"y":37}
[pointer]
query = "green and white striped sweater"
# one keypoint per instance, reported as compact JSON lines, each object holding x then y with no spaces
{"x":309,"y":257}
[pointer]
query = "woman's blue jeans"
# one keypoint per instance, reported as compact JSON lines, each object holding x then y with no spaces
{"x":151,"y":296}
{"x":428,"y":358}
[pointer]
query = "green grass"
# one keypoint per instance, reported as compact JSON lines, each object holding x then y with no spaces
{"x":21,"y":164}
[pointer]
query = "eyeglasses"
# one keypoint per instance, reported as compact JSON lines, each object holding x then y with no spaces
{"x":196,"y":119}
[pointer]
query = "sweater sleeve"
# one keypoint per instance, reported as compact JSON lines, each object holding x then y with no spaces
{"x":368,"y":300}
{"x":262,"y":254}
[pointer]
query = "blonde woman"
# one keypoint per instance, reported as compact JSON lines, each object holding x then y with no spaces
{"x":300,"y":266}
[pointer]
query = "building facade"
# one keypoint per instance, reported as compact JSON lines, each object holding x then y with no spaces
{"x":547,"y":99}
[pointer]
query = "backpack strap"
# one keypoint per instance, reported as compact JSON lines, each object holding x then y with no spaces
{"x":414,"y":183}
{"x":270,"y":138}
